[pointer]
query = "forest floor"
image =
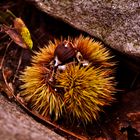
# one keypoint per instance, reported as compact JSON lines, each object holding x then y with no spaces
{"x":121,"y":121}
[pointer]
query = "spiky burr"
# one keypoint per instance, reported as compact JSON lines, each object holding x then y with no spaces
{"x":72,"y":77}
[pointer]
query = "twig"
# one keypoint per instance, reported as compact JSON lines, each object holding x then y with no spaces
{"x":9,"y":90}
{"x":9,"y":12}
{"x":19,"y":63}
{"x":2,"y":61}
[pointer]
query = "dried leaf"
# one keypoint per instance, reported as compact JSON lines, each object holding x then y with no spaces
{"x":23,"y":31}
{"x":19,"y":33}
{"x":15,"y":36}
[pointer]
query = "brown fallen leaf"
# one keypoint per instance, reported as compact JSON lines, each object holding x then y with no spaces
{"x":14,"y":35}
{"x":18,"y":32}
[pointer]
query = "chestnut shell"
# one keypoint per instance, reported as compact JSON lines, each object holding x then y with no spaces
{"x":65,"y":52}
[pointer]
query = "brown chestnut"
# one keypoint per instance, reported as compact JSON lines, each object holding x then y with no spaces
{"x":64,"y":53}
